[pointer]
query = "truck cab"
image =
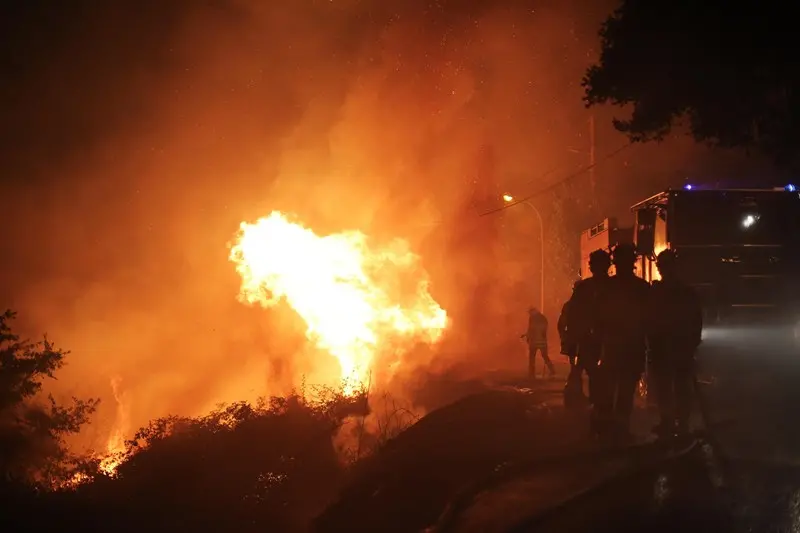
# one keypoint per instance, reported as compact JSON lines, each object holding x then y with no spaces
{"x":739,"y":248}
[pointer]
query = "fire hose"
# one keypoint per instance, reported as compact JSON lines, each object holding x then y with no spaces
{"x":448,"y":520}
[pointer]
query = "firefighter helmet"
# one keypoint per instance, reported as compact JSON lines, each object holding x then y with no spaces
{"x":600,"y":258}
{"x":667,"y":258}
{"x":624,"y":254}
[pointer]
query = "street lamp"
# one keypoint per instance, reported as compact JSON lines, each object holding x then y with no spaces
{"x":507,"y":198}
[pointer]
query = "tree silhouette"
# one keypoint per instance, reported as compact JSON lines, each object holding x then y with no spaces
{"x":32,"y":449}
{"x":725,"y":69}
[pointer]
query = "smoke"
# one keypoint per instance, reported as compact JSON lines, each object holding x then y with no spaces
{"x":148,"y":138}
{"x":145,"y":132}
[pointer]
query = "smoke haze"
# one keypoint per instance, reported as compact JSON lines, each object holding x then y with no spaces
{"x":138,"y":135}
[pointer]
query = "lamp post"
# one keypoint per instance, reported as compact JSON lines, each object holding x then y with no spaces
{"x":507,"y":198}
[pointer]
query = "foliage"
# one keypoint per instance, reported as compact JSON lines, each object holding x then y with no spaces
{"x":271,"y":466}
{"x":727,"y":68}
{"x":365,"y":436}
{"x":31,"y":431}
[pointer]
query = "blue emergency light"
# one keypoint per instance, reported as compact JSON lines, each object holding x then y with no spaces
{"x":791,"y":187}
{"x":688,"y":187}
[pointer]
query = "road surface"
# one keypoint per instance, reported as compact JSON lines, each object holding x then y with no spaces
{"x":749,"y":480}
{"x":754,"y":399}
{"x":752,"y":392}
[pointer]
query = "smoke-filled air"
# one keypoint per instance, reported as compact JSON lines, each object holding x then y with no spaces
{"x":220,"y":201}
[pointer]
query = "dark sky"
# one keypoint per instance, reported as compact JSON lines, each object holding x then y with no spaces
{"x":71,"y":69}
{"x":65,"y":69}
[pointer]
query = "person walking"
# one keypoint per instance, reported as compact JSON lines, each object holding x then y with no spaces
{"x":536,"y":337}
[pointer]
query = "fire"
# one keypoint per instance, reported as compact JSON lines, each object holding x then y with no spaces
{"x":357,"y":302}
{"x":655,"y":274}
{"x":115,"y":447}
{"x":113,"y":455}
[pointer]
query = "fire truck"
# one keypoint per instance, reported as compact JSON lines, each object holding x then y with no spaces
{"x":739,"y":248}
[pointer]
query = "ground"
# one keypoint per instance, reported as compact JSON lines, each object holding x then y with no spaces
{"x":503,"y":459}
{"x":753,"y":396}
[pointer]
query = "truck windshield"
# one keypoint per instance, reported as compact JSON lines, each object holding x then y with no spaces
{"x":735,"y":218}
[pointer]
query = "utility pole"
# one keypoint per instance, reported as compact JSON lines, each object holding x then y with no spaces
{"x":591,"y":155}
{"x":507,"y":198}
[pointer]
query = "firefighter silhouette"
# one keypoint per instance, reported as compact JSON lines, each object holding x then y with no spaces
{"x":580,"y":339}
{"x":622,"y":327}
{"x":675,"y":334}
{"x":573,"y":389}
{"x":536,"y":337}
{"x":568,"y":347}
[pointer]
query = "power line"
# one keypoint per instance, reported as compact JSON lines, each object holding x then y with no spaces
{"x":557,"y":167}
{"x":552,"y":186}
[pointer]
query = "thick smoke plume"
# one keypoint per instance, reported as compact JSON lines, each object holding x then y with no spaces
{"x":140,"y":134}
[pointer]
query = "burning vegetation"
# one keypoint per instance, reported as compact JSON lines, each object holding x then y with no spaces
{"x":415,"y":116}
{"x":361,"y":304}
{"x":364,"y":305}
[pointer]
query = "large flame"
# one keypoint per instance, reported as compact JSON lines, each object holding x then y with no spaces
{"x":357,"y":302}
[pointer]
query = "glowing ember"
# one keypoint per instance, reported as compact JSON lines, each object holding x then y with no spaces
{"x":356,"y":301}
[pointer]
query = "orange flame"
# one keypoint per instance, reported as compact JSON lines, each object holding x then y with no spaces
{"x":356,"y":301}
{"x":115,"y":447}
{"x":114,"y":453}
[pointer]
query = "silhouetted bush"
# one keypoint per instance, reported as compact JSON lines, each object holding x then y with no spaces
{"x":32,"y":431}
{"x":268,"y":467}
{"x":272,"y":466}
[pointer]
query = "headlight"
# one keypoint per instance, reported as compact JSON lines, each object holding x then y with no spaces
{"x":749,"y":220}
